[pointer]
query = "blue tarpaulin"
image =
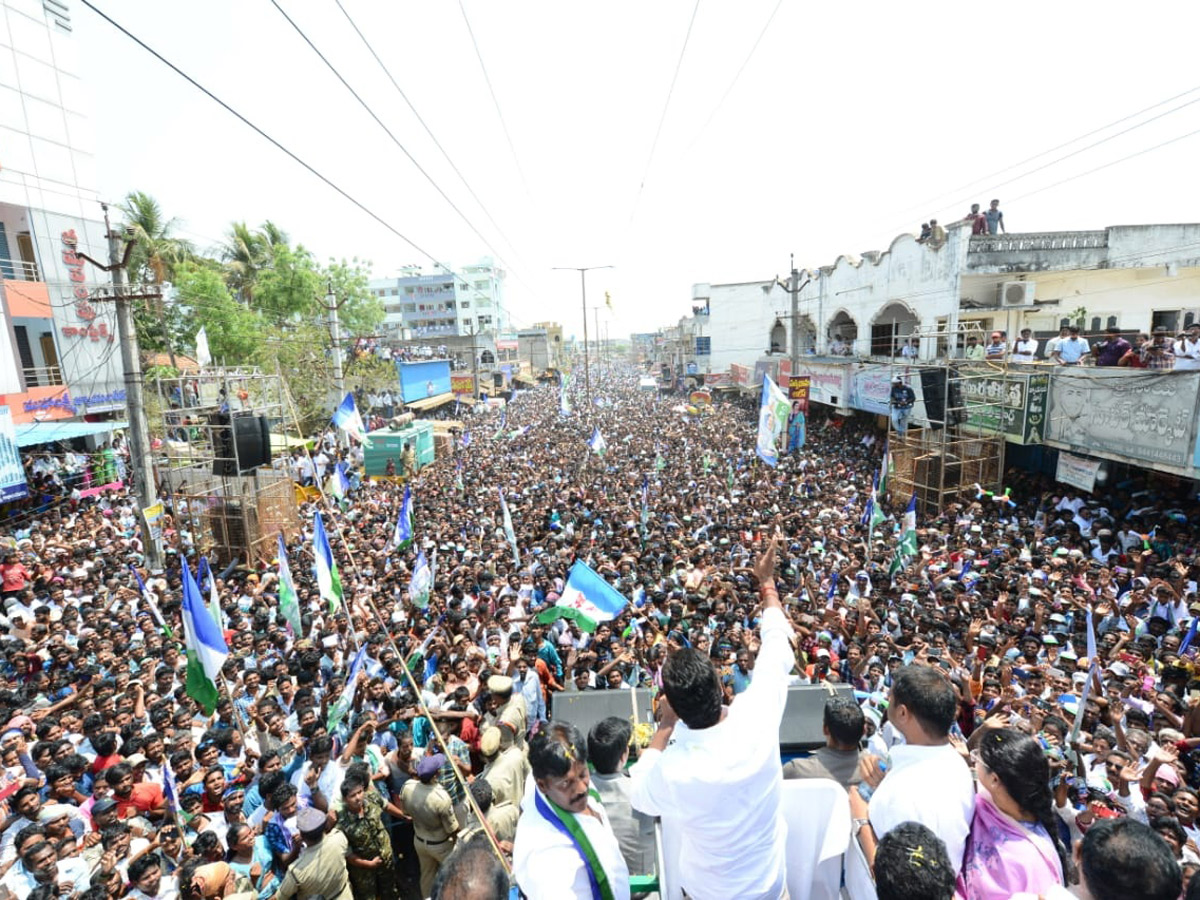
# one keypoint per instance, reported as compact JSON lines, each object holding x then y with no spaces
{"x":31,"y":433}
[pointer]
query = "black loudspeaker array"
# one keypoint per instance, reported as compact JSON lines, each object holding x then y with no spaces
{"x":249,"y":436}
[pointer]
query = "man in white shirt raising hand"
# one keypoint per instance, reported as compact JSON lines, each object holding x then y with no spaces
{"x":713,"y":772}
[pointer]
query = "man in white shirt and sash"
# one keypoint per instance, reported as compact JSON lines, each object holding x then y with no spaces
{"x":719,"y":782}
{"x":565,"y":848}
{"x":926,"y":781}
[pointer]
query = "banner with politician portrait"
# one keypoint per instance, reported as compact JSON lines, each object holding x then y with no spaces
{"x":772,"y":421}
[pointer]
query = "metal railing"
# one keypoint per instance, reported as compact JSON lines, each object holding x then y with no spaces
{"x":42,"y":376}
{"x":19,"y":270}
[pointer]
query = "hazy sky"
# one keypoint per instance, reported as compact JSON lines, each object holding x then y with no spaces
{"x":848,"y":124}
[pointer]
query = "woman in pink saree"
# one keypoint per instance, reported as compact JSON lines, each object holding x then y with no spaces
{"x":1013,"y":846}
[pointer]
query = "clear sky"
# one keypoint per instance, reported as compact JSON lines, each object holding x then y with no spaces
{"x":848,"y":124}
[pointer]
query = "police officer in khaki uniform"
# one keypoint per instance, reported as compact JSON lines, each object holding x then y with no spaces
{"x":507,"y":767}
{"x":320,"y":869}
{"x":509,"y":709}
{"x":432,"y":812}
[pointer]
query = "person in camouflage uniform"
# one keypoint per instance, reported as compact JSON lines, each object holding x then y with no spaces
{"x":370,"y":863}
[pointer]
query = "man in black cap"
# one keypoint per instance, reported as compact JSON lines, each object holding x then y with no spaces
{"x":320,"y":869}
{"x":432,"y":812}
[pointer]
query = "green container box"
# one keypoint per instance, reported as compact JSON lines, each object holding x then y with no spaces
{"x":387,"y":444}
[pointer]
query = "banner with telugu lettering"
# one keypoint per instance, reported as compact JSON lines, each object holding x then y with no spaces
{"x":1077,"y":471}
{"x":85,"y":328}
{"x":1133,"y":413}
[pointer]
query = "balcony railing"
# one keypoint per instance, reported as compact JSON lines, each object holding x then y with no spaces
{"x":42,"y":376}
{"x":19,"y":270}
{"x":1048,"y":240}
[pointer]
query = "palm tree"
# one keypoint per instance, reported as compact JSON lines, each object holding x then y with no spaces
{"x":247,"y":252}
{"x":158,"y":250}
{"x":155,"y":255}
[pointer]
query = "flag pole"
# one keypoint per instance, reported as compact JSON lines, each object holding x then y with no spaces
{"x":409,"y":677}
{"x":237,"y":715}
{"x":328,"y":506}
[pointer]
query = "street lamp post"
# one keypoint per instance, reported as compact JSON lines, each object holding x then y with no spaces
{"x":583,"y":270}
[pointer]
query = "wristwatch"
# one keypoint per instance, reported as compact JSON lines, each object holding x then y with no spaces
{"x":859,"y":823}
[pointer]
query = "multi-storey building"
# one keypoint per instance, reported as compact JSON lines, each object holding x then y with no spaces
{"x":860,"y":322}
{"x":59,"y":355}
{"x":430,"y":307}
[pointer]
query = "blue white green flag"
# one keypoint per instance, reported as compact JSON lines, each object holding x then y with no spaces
{"x":347,"y":418}
{"x":402,"y":535}
{"x":421,"y":585}
{"x":345,"y":702}
{"x":289,"y":602}
{"x":205,"y":645}
{"x":329,"y":583}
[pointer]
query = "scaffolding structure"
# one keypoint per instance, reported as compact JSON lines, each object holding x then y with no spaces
{"x":216,"y":464}
{"x":959,"y":442}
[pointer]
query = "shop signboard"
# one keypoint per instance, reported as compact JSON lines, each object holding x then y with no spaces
{"x":1133,"y":414}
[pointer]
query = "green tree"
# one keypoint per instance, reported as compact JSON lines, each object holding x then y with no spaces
{"x":246,"y":253}
{"x":360,"y":312}
{"x":300,"y":351}
{"x":233,"y":329}
{"x":157,"y":251}
{"x":291,"y":289}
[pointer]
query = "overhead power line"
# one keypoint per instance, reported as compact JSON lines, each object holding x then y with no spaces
{"x":378,"y":121}
{"x":1106,"y":165}
{"x":737,"y":76}
{"x":1054,"y":149}
{"x":495,"y":101}
{"x":666,"y":106}
{"x":267,"y":137}
{"x":429,"y":131}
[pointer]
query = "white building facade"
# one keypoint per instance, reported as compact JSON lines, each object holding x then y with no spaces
{"x":861,"y":322}
{"x":428,"y":306}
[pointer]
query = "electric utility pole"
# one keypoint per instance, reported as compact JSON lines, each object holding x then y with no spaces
{"x":474,"y":358}
{"x":139,"y":432}
{"x":583,"y":270}
{"x":794,"y":287}
{"x":339,"y":378}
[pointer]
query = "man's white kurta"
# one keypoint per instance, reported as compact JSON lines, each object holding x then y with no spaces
{"x":548,"y":867}
{"x":719,"y":787}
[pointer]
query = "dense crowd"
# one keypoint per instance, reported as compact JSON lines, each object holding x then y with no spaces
{"x":971,"y":655}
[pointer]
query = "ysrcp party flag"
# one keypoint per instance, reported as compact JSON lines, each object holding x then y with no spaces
{"x":421,"y":585}
{"x":346,"y":417}
{"x":596,"y":442}
{"x":772,"y":421}
{"x":329,"y":582}
{"x":402,"y":535}
{"x":564,"y":402}
{"x":206,"y":647}
{"x":289,"y":602}
{"x":587,"y":599}
{"x":508,"y":529}
{"x":908,"y":529}
{"x":342,"y":705}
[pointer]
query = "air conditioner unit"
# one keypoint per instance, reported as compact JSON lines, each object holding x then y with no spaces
{"x":1016,"y":293}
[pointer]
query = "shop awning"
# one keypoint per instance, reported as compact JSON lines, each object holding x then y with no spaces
{"x":30,"y":433}
{"x":431,"y":402}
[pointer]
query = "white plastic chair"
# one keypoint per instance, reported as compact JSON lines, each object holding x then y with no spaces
{"x":860,"y":883}
{"x":817,"y":814}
